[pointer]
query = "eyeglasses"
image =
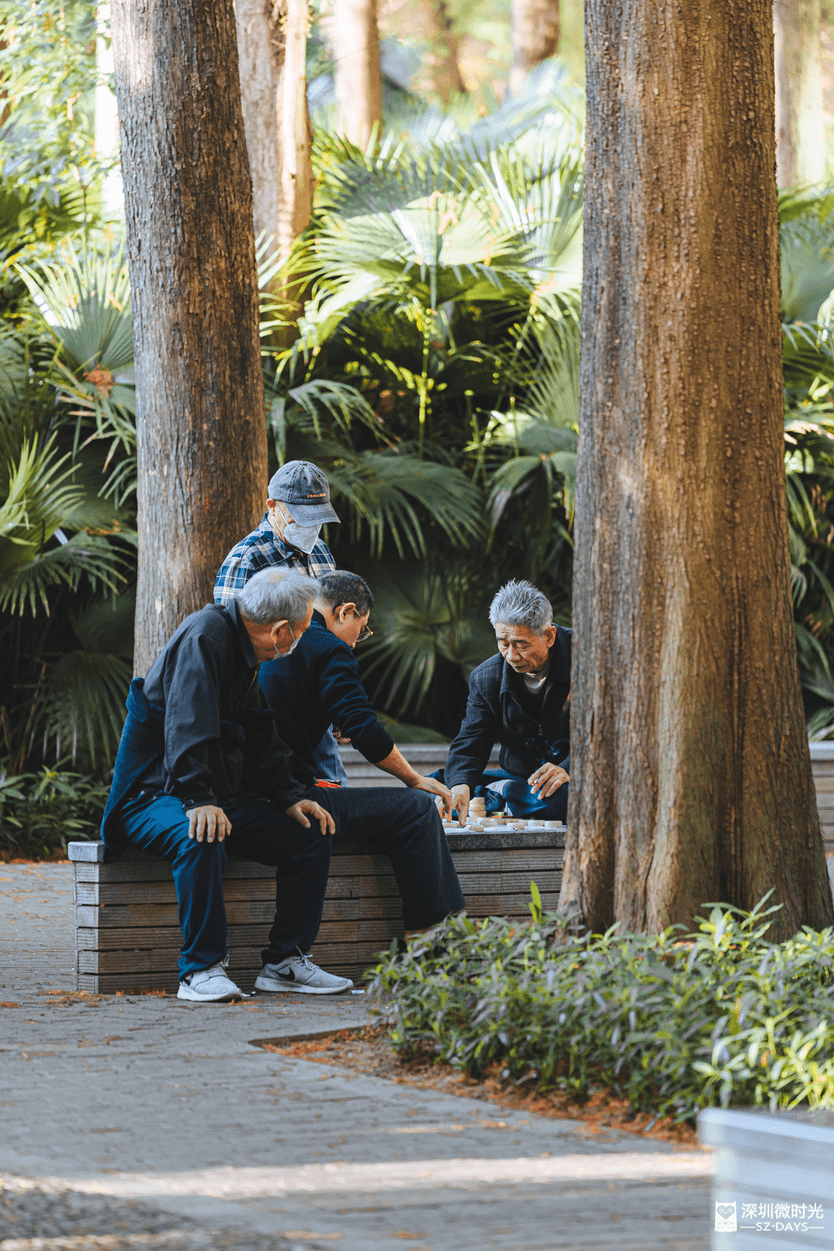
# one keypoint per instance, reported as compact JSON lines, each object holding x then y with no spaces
{"x":364,"y":634}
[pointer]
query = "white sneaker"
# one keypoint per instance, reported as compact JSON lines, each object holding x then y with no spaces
{"x":298,"y":973}
{"x":209,"y":985}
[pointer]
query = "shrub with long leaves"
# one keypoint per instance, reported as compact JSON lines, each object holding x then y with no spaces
{"x":672,"y":1022}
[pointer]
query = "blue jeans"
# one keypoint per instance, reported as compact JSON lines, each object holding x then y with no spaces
{"x":402,"y":824}
{"x":328,"y":759}
{"x":514,"y":796}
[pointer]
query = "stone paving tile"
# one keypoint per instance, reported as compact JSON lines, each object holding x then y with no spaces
{"x":138,"y":1121}
{"x":37,"y":1218}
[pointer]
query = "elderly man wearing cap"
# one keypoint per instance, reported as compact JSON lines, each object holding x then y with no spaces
{"x":297,"y":507}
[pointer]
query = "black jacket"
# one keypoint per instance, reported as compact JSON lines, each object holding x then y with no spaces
{"x":217,"y":739}
{"x":494,"y":713}
{"x":318,"y":686}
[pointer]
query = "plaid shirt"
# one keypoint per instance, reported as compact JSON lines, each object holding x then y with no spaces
{"x":262,"y":549}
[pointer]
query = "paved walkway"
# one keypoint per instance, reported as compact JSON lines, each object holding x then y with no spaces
{"x":138,"y":1121}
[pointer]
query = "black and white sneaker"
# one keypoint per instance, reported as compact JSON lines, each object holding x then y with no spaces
{"x":299,"y":974}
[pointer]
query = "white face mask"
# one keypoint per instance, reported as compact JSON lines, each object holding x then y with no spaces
{"x":302,"y":537}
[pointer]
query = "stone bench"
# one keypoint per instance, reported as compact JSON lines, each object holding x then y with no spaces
{"x":127,"y":936}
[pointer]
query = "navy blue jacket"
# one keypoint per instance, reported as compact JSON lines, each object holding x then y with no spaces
{"x":318,"y":686}
{"x":494,"y":713}
{"x":197,"y":727}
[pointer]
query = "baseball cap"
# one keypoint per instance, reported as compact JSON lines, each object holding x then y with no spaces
{"x":304,"y":488}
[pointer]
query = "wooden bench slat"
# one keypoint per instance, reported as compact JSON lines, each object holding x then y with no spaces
{"x":341,"y":866}
{"x":254,"y":935}
{"x":108,"y":895}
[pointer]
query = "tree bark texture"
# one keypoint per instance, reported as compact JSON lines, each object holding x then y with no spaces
{"x":535,"y":30}
{"x":800,"y":123}
{"x":691,"y":778}
{"x":272,"y":41}
{"x":201,"y":432}
{"x":355,"y":41}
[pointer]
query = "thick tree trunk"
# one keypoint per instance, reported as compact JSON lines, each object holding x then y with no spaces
{"x":800,"y":127}
{"x":272,"y":41}
{"x":691,"y":777}
{"x":535,"y":27}
{"x":355,"y":40}
{"x":201,"y":432}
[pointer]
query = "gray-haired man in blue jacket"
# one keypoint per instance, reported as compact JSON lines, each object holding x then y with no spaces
{"x":520,"y":699}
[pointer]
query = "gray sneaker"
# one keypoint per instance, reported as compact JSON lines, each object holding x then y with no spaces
{"x":298,"y":973}
{"x":209,"y":985}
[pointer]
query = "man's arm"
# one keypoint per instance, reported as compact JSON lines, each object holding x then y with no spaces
{"x":268,"y":755}
{"x":345,"y":702}
{"x":470,"y":751}
{"x":191,"y":687}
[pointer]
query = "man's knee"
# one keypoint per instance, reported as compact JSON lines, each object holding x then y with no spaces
{"x":203,"y":856}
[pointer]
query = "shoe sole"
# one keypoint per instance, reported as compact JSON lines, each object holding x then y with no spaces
{"x":185,"y":992}
{"x":298,"y":988}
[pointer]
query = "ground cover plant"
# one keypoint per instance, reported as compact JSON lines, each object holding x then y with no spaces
{"x":671,"y":1022}
{"x":41,"y":812}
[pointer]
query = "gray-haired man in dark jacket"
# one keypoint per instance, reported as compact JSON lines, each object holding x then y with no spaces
{"x":520,"y":699}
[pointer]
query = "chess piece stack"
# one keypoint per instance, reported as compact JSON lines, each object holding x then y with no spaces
{"x":477,"y":812}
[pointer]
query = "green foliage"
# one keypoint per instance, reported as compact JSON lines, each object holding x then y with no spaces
{"x":672,"y":1022}
{"x":67,"y":543}
{"x":434,"y":378}
{"x":47,"y":63}
{"x":808,"y":370}
{"x":41,"y":812}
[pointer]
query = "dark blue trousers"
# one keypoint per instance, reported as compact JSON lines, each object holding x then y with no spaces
{"x":515,"y":796}
{"x":402,"y":824}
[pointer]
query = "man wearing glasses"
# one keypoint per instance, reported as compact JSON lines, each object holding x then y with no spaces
{"x":321,"y":686}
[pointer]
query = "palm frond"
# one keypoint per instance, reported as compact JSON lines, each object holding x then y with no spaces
{"x":25,"y":585}
{"x":382,"y":490}
{"x":85,"y":301}
{"x":423,"y":615}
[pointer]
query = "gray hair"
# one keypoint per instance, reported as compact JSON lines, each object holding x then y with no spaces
{"x":276,"y":595}
{"x":519,"y":603}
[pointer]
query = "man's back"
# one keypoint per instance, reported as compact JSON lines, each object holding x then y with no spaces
{"x":317,"y":685}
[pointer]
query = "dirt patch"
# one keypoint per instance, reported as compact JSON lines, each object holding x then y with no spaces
{"x":369,"y":1051}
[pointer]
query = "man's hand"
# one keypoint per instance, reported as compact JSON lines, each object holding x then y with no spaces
{"x":209,"y":822}
{"x":309,"y":808}
{"x":435,"y":788}
{"x":547,"y":780}
{"x":460,"y":802}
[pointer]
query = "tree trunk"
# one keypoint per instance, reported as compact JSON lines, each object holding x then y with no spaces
{"x":355,"y":39}
{"x":690,"y":764}
{"x":201,"y":433}
{"x":535,"y":28}
{"x":272,"y":41}
{"x":800,"y":125}
{"x":427,"y":25}
{"x":296,"y":132}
